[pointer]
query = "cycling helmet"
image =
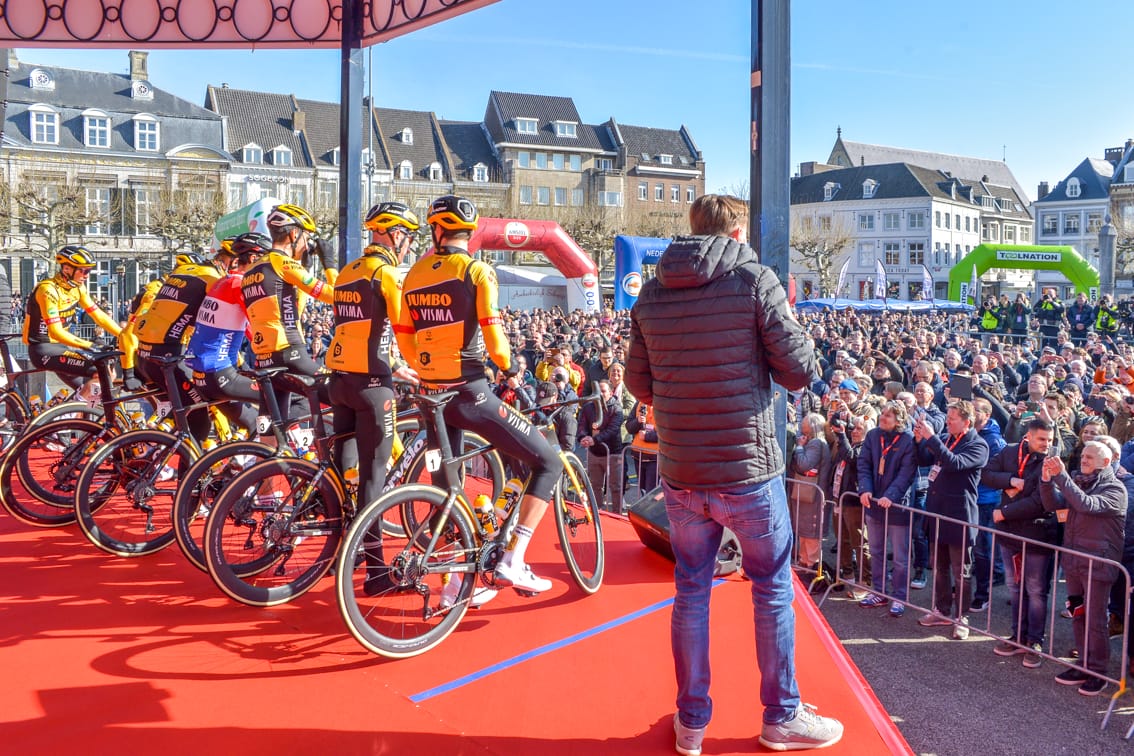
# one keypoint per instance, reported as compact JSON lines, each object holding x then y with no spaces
{"x":453,"y":213}
{"x":286,"y":215}
{"x":389,"y":215}
{"x":188,"y":258}
{"x":249,"y":244}
{"x":225,"y":247}
{"x":75,"y":256}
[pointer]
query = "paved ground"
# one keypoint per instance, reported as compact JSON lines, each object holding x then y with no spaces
{"x":957,"y":697}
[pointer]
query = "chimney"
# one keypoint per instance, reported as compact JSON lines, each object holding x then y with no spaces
{"x":139,"y":71}
{"x":1043,"y":190}
{"x":298,"y":121}
{"x":13,"y":61}
{"x":984,"y":179}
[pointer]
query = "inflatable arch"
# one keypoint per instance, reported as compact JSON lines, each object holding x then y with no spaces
{"x":1023,"y":257}
{"x":549,"y":238}
{"x":630,"y":252}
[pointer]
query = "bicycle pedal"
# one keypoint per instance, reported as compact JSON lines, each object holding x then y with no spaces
{"x":524,"y":593}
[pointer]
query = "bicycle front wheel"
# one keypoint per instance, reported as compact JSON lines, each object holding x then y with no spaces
{"x":481,"y":474}
{"x":274,"y":531}
{"x":40,"y":471}
{"x":124,"y":497}
{"x":200,"y":487}
{"x":578,"y":524}
{"x":390,"y":589}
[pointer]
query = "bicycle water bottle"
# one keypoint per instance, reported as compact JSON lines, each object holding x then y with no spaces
{"x":508,"y":497}
{"x":350,"y":477}
{"x":486,"y":513}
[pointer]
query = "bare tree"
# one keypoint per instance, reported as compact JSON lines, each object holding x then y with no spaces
{"x":815,"y":245}
{"x":47,"y":215}
{"x":185,"y":218}
{"x":739,"y":189}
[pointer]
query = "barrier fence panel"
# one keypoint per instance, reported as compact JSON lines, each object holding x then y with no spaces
{"x":1027,"y":549}
{"x":807,"y":507}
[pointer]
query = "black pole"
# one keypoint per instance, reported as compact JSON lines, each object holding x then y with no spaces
{"x":770,"y":175}
{"x":350,"y":134}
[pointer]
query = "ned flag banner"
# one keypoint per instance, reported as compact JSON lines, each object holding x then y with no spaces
{"x":842,"y":278}
{"x":879,"y":280}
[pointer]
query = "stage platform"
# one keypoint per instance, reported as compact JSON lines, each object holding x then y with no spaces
{"x":107,"y":655}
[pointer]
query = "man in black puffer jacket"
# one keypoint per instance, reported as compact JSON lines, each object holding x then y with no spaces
{"x":707,"y":337}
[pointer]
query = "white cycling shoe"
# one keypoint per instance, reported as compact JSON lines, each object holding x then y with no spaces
{"x":452,"y":589}
{"x":521,"y":578}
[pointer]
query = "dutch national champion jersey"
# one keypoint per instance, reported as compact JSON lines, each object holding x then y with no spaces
{"x":367,"y":303}
{"x":221,"y":323}
{"x":169,"y":320}
{"x":275,"y":290}
{"x":449,"y":315}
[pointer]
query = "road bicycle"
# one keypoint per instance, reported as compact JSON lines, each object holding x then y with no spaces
{"x":124,"y":496}
{"x":275,"y":529}
{"x":397,"y":610}
{"x":39,"y":473}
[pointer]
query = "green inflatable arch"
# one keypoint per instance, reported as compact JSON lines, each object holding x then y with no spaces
{"x":1023,"y":257}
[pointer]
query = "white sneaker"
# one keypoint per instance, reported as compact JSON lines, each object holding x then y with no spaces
{"x":449,"y":592}
{"x":521,"y":578}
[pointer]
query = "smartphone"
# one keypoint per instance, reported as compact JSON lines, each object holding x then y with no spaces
{"x":908,"y":353}
{"x":1032,"y":406}
{"x":1096,"y":403}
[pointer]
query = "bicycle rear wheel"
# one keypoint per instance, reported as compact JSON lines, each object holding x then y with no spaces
{"x":579,"y":527}
{"x":401,"y":614}
{"x":13,"y":419}
{"x":40,"y":471}
{"x":200,"y":487}
{"x":124,"y":497}
{"x":274,"y":532}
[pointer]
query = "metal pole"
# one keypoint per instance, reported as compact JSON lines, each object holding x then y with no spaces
{"x":770,"y":175}
{"x":1107,"y":239}
{"x":350,"y":134}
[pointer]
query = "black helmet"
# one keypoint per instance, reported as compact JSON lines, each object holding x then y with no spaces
{"x":453,"y":213}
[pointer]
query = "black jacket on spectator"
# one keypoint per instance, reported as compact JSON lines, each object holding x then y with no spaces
{"x":707,"y":336}
{"x":608,"y":436}
{"x":953,"y":493}
{"x":1096,"y":519}
{"x":1024,"y":514}
{"x":844,"y":471}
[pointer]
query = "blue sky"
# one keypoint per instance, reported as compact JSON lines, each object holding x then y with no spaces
{"x":1038,"y":84}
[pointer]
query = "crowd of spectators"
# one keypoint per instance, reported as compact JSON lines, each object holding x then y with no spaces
{"x":1023,"y":424}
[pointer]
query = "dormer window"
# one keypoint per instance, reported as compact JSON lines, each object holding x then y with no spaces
{"x":44,"y":124}
{"x":40,"y":79}
{"x":407,"y":135}
{"x":434,"y":171}
{"x":566,"y":129}
{"x":526,"y":125}
{"x":869,"y":187}
{"x":141,"y":90}
{"x":334,"y":156}
{"x":830,"y":189}
{"x":146,"y":133}
{"x":281,"y":156}
{"x":480,"y":173}
{"x":252,"y":154}
{"x":96,"y":128}
{"x":405,"y":170}
{"x":1074,"y":189}
{"x":665,"y":159}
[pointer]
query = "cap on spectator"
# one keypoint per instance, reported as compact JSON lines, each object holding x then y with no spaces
{"x":559,"y":374}
{"x":987,"y":378}
{"x":1049,"y":350}
{"x":849,"y":385}
{"x":546,"y":393}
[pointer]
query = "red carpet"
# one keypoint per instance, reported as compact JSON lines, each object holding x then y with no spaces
{"x":105,"y":655}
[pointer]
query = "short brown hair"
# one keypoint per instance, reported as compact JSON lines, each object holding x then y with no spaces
{"x":717,"y":215}
{"x":964,"y":409}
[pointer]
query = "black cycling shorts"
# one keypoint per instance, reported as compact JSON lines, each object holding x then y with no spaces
{"x":73,"y":366}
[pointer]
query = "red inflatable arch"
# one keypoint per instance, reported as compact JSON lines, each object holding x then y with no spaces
{"x":549,"y":238}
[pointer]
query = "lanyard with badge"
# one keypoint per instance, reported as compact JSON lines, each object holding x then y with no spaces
{"x":886,"y":450}
{"x":937,"y":468}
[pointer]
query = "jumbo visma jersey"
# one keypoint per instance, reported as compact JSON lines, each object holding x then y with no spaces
{"x":367,"y":304}
{"x":170,"y":318}
{"x":275,"y":290}
{"x":449,"y":316}
{"x":53,"y":302}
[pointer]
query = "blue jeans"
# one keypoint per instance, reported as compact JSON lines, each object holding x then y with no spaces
{"x":985,"y":564}
{"x":758,"y":515}
{"x":920,"y":539}
{"x":1035,"y":571}
{"x":896,"y":539}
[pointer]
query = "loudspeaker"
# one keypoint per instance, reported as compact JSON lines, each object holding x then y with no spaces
{"x":651,"y":523}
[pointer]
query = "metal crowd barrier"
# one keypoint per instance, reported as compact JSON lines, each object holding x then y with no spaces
{"x":933,"y":524}
{"x":808,"y":504}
